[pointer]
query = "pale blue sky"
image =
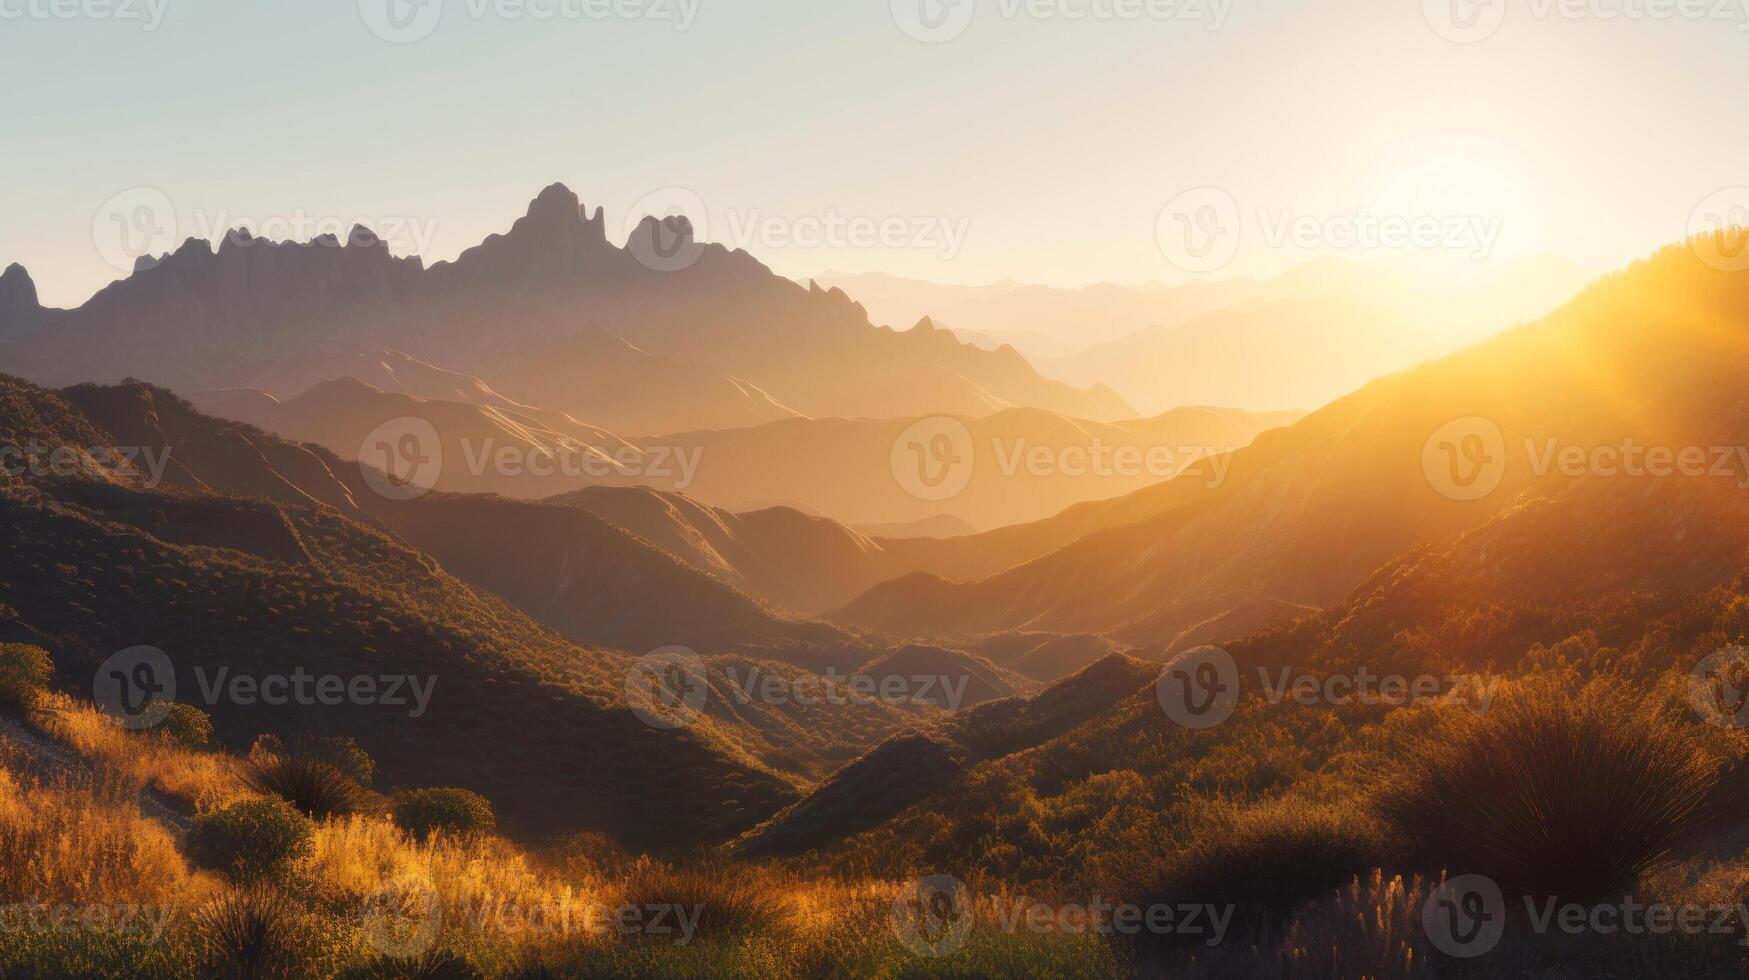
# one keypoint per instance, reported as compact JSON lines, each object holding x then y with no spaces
{"x":1051,"y":144}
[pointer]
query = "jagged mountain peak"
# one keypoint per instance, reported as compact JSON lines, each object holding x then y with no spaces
{"x":16,"y":287}
{"x":18,"y":299}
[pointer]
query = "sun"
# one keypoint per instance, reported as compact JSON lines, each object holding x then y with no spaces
{"x":1466,"y":183}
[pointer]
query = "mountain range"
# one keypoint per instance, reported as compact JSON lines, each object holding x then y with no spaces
{"x":841,"y":468}
{"x":662,"y":334}
{"x":1299,"y":340}
{"x":1309,"y":510}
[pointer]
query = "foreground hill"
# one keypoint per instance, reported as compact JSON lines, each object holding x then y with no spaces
{"x":1607,"y":580}
{"x":710,"y":340}
{"x":1650,"y":358}
{"x":259,"y":586}
{"x":239,"y":533}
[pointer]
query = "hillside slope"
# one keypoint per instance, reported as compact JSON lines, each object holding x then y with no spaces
{"x":1652,"y":357}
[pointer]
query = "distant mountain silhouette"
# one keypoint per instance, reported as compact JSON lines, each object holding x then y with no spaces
{"x":549,"y":313}
{"x":841,"y":468}
{"x":1298,"y":340}
{"x":1652,"y":355}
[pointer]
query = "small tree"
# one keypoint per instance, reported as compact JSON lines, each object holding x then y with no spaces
{"x":250,"y":840}
{"x":421,"y":812}
{"x":24,"y":674}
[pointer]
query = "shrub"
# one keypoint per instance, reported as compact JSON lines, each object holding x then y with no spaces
{"x":421,"y":812}
{"x":1265,"y":862}
{"x":341,"y":752}
{"x":187,"y":726}
{"x":249,"y":934}
{"x":314,"y":786}
{"x":24,"y":674}
{"x":251,"y":839}
{"x":1550,"y":794}
{"x":731,"y":900}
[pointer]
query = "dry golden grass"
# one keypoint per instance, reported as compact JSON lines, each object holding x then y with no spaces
{"x":63,"y":842}
{"x":206,"y":780}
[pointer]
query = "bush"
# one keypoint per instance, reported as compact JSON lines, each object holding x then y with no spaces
{"x":1266,"y":862}
{"x":24,"y":674}
{"x":341,"y":752}
{"x":249,"y":934}
{"x":1551,"y":794}
{"x":316,"y":787}
{"x":434,"y":965}
{"x":732,"y":901}
{"x":251,"y":839}
{"x":421,"y":812}
{"x":187,"y":726}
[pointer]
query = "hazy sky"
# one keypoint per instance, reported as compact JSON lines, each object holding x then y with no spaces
{"x":1027,"y":143}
